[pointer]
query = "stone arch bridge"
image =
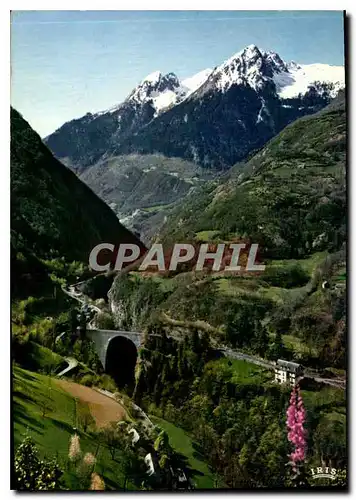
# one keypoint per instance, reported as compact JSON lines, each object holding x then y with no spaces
{"x":103,"y":338}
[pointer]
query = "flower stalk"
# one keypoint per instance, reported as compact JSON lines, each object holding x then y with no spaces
{"x":296,"y":432}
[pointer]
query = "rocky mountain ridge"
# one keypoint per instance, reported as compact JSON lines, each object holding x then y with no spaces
{"x":214,"y":118}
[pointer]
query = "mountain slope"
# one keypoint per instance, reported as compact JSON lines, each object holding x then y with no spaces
{"x":259,"y":68}
{"x":214,"y":118}
{"x":140,"y":189}
{"x":242,"y":104}
{"x":290,"y":197}
{"x":81,"y":142}
{"x":53,"y":213}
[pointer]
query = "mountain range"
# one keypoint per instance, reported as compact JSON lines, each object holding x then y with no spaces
{"x":214,"y":118}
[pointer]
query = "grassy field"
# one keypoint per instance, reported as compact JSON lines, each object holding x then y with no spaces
{"x":48,"y":414}
{"x":308,"y":264}
{"x":241,"y":371}
{"x":239,"y":287}
{"x":182,"y":443}
{"x":206,"y":235}
{"x":297,"y":345}
{"x":236,"y":285}
{"x":36,"y":357}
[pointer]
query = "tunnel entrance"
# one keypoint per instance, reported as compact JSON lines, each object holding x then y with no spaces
{"x":121,"y":357}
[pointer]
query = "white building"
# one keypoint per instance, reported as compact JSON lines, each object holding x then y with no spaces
{"x":135,"y":436}
{"x":149,"y":463}
{"x":287,"y":372}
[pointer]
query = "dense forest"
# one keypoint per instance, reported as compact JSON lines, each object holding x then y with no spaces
{"x":236,"y":413}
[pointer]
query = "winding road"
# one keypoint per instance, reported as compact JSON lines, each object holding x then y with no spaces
{"x":234,"y":354}
{"x":79,"y":297}
{"x":72,"y":363}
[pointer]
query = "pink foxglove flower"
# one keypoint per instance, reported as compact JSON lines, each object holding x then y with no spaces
{"x":295,"y":426}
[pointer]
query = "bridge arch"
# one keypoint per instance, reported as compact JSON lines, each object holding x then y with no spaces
{"x":111,"y":352}
{"x":120,"y":361}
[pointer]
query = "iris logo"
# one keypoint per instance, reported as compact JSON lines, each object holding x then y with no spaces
{"x":324,"y":472}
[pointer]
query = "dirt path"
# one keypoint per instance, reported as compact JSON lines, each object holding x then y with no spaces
{"x":103,"y":409}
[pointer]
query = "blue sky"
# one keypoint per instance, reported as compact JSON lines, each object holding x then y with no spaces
{"x":66,"y":63}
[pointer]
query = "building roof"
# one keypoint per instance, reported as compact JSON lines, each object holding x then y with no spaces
{"x":289,"y":365}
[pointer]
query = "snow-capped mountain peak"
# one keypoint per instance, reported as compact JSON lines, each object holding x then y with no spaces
{"x":250,"y":66}
{"x":153,"y":85}
{"x":214,"y":118}
{"x":194,"y":82}
{"x":165,"y":91}
{"x":275,"y":63}
{"x":298,"y":79}
{"x":257,"y":68}
{"x":162,"y":91}
{"x":249,"y":52}
{"x":152,"y":77}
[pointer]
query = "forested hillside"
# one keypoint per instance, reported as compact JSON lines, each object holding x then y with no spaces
{"x":53,"y":214}
{"x":290,"y":197}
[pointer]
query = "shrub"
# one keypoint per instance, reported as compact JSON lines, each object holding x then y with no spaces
{"x":104,"y":321}
{"x":85,"y":418}
{"x":107,"y":383}
{"x":88,"y":380}
{"x":33,"y":474}
{"x":290,"y":276}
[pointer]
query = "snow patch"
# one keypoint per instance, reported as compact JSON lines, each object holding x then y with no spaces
{"x":152,"y":77}
{"x":194,"y":82}
{"x":260,"y":116}
{"x":300,"y":77}
{"x":165,"y":100}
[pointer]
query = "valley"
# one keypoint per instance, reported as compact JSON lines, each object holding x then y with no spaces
{"x":141,"y":380}
{"x":141,"y":160}
{"x":143,"y":189}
